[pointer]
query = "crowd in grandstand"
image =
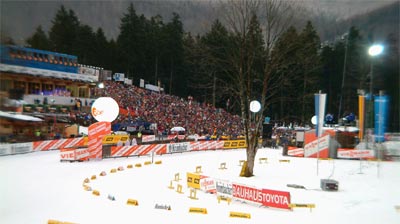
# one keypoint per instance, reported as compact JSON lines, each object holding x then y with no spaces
{"x":168,"y":111}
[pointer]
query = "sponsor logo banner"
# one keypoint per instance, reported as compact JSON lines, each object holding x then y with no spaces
{"x":148,"y":138}
{"x":234,"y":144}
{"x":81,"y":153}
{"x":67,"y":154}
{"x":178,"y":147}
{"x":246,"y":193}
{"x":276,"y":199}
{"x":265,"y":197}
{"x":114,"y":139}
{"x":223,"y":188}
{"x":296,"y":152}
{"x":96,"y":132}
{"x":207,"y":184}
{"x":311,"y":149}
{"x":354,"y":154}
{"x":193,"y":180}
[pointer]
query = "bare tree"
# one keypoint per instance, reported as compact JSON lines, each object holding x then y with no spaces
{"x":275,"y":18}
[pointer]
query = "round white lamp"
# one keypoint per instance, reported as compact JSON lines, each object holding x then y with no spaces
{"x":255,"y":106}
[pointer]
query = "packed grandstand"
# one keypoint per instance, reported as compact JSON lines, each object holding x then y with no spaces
{"x":168,"y":111}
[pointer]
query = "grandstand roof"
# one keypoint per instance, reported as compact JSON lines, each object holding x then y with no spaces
{"x":19,"y":117}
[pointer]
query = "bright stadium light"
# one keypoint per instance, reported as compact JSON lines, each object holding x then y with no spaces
{"x":375,"y":50}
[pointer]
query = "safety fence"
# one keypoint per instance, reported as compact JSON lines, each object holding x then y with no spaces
{"x":76,"y":148}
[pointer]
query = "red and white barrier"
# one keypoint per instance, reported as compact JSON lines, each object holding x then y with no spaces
{"x":138,"y":150}
{"x":355,"y":154}
{"x":206,"y":145}
{"x":57,"y":144}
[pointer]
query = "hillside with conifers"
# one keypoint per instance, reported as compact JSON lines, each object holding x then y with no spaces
{"x":307,"y":58}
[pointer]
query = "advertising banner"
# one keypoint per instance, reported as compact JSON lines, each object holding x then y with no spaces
{"x":67,"y":154}
{"x":96,"y":132}
{"x":119,"y":77}
{"x":15,"y":148}
{"x":297,"y":152}
{"x":81,"y":154}
{"x":246,"y":193}
{"x":223,"y":188}
{"x":381,"y":105}
{"x":114,"y":139}
{"x":355,"y":154}
{"x":321,"y":144}
{"x":178,"y":147}
{"x":265,"y":197}
{"x":276,"y":199}
{"x":193,"y":180}
{"x":207,"y":184}
{"x":234,"y":144}
{"x":148,"y":138}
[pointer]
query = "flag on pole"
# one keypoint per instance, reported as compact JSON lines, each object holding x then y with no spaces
{"x":361,"y":113}
{"x":320,"y":101}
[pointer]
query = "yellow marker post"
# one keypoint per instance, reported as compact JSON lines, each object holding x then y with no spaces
{"x":96,"y":192}
{"x":198,"y":169}
{"x":177,"y":177}
{"x":193,"y":194}
{"x":170,"y":185}
{"x":222,"y":166}
{"x":198,"y":210}
{"x":243,"y":170}
{"x":263,"y":160}
{"x":179,"y":189}
{"x":221,"y":198}
{"x":239,"y":215}
{"x":132,"y":202}
{"x":310,"y":206}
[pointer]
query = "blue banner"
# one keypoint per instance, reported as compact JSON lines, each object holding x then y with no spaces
{"x":381,"y":104}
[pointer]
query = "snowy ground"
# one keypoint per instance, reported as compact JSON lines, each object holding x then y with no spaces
{"x":37,"y":187}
